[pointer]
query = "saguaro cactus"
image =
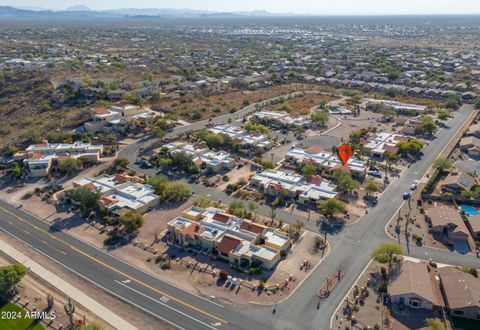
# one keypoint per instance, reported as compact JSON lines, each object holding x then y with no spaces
{"x":69,"y":310}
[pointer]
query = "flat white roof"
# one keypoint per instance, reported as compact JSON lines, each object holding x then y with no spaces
{"x":275,"y":238}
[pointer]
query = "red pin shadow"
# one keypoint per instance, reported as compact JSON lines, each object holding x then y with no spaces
{"x":345,"y":152}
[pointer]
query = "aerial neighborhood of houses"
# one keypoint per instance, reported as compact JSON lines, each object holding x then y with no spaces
{"x":206,"y":160}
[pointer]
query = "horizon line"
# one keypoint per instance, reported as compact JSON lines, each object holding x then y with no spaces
{"x":292,"y":14}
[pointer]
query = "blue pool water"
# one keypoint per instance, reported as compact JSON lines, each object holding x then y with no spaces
{"x":469,"y":209}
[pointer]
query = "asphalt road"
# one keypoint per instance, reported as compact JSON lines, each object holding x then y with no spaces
{"x":352,"y":246}
{"x":156,"y":297}
{"x":350,"y":251}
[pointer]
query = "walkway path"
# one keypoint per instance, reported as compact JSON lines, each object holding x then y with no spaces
{"x":70,"y":291}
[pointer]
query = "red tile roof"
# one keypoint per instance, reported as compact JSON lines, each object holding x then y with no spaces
{"x":120,"y":178}
{"x":37,"y":156}
{"x":101,"y":111}
{"x":315,"y":179}
{"x":390,"y":148}
{"x":107,"y":201}
{"x":222,"y":217}
{"x":228,"y":244}
{"x":252,"y":227}
{"x":400,"y":138}
{"x":193,"y":231}
{"x":276,"y":186}
{"x":90,"y":185}
{"x":307,"y":161}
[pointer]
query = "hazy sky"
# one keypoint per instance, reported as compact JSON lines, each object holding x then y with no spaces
{"x":325,"y":7}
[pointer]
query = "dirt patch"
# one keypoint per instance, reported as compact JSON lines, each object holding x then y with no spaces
{"x":196,"y":107}
{"x":303,"y":105}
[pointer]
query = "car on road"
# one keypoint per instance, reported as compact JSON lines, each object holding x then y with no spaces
{"x":146,"y":164}
{"x":375,"y":173}
{"x":413,"y":186}
{"x":406,"y":195}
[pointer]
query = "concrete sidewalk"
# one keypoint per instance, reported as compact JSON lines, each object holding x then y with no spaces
{"x":103,"y":313}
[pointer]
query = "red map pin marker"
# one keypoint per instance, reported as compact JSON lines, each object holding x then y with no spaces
{"x":344,"y":152}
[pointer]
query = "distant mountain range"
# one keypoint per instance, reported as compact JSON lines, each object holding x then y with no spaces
{"x":84,"y":11}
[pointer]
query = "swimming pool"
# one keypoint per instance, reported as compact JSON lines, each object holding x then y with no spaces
{"x":470,"y":210}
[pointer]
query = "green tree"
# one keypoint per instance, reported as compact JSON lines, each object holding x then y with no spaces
{"x":355,"y":136}
{"x":69,"y":166}
{"x":203,"y":202}
{"x":257,"y":127}
{"x":411,"y":147}
{"x":16,"y":172}
{"x":467,"y":194}
{"x":214,"y":140}
{"x":355,"y":99}
{"x":237,"y":207}
{"x":390,"y":156}
{"x":476,"y":102}
{"x":442,"y":164}
{"x":285,"y":107}
{"x":181,"y":159}
{"x":320,"y":117}
{"x":159,"y":184}
{"x":131,"y":220}
{"x":428,"y":125}
{"x":443,"y":114}
{"x":345,"y":181}
{"x":331,"y":207}
{"x":308,"y":170}
{"x":34,"y":136}
{"x":393,"y":75}
{"x":158,"y":132}
{"x":435,"y":324}
{"x":177,"y":191}
{"x":386,"y":251}
{"x":87,"y":198}
{"x":372,"y":187}
{"x":11,"y":150}
{"x":10,"y":276}
{"x":391,"y":92}
{"x":453,"y":102}
{"x":164,"y":162}
{"x":387,"y":114}
{"x":136,"y":100}
{"x":121,"y":162}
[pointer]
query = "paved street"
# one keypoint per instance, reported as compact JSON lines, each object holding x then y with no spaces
{"x":158,"y":298}
{"x":350,"y":251}
{"x":351,"y":248}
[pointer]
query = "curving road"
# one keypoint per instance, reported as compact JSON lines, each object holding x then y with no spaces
{"x":351,"y":247}
{"x":350,"y":250}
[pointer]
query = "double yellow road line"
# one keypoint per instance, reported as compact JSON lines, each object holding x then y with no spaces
{"x":181,"y":302}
